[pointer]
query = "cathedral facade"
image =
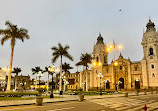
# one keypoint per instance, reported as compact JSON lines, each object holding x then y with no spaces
{"x":123,"y":73}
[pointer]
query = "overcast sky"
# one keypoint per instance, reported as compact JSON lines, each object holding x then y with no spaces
{"x":76,"y":23}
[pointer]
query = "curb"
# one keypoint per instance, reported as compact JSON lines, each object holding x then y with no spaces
{"x":35,"y":103}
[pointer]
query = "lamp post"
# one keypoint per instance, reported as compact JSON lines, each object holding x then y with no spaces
{"x":52,"y":70}
{"x":96,"y":64}
{"x":100,"y":76}
{"x":39,"y":74}
{"x":6,"y":70}
{"x":65,"y":83}
{"x":62,"y":77}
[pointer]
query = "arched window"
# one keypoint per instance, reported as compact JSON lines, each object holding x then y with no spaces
{"x":120,"y":67}
{"x":97,"y":59}
{"x":151,"y":51}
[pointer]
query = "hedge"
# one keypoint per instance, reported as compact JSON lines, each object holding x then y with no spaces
{"x":17,"y":94}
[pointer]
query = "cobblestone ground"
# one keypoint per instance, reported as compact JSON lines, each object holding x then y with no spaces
{"x":133,"y":103}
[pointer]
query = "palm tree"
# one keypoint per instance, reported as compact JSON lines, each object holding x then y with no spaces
{"x":12,"y":32}
{"x":85,"y":59}
{"x":16,"y":71}
{"x":60,"y":51}
{"x":36,"y":70}
{"x":66,"y":67}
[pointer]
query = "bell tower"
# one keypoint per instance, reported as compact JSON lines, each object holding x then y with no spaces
{"x":99,"y":52}
{"x":150,"y":59}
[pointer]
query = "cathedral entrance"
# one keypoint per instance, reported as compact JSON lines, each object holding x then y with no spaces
{"x":121,"y":83}
{"x":107,"y":84}
{"x":137,"y":84}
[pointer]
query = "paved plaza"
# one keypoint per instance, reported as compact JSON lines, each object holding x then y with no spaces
{"x":116,"y":102}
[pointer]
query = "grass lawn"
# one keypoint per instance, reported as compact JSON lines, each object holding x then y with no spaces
{"x":20,"y":98}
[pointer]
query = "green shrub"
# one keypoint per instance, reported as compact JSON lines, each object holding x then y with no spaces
{"x":18,"y":94}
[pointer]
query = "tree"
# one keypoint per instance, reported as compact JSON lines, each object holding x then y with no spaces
{"x":16,"y":71}
{"x":36,"y":70}
{"x":85,"y":60}
{"x":66,"y":67}
{"x":60,"y":51}
{"x":12,"y":32}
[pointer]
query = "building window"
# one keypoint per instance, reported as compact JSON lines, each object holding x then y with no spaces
{"x":153,"y":75}
{"x":96,"y":71}
{"x":97,"y":59}
{"x":152,"y":66}
{"x":136,"y":68}
{"x":120,"y":67}
{"x":151,"y":51}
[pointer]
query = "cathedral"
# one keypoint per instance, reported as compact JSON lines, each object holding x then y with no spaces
{"x":123,"y":73}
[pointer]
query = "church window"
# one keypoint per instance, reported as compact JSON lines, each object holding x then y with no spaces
{"x":107,"y":70}
{"x":152,"y":66}
{"x":151,"y":51}
{"x":153,"y":75}
{"x":97,"y":59}
{"x":136,"y":68}
{"x":104,"y":59}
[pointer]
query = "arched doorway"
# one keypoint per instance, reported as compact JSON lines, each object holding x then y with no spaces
{"x":121,"y":83}
{"x":107,"y":84}
{"x":137,"y":84}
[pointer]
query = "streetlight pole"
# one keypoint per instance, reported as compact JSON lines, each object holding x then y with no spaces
{"x":39,"y":75}
{"x":52,"y":70}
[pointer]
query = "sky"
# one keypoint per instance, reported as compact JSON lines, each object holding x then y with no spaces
{"x":76,"y":23}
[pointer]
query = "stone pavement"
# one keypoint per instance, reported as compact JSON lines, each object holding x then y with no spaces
{"x":62,"y":99}
{"x":129,"y":103}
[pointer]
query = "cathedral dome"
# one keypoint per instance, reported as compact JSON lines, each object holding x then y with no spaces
{"x":150,"y":26}
{"x":100,"y":39}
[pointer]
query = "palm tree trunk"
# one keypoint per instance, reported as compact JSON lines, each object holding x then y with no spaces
{"x":60,"y":84}
{"x":10,"y":70}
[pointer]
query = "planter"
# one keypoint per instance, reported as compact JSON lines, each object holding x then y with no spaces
{"x":81,"y":97}
{"x":39,"y":101}
{"x":144,"y":92}
{"x":126,"y":94}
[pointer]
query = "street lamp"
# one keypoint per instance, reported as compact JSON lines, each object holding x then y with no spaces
{"x":115,"y":64}
{"x":6,"y":70}
{"x":39,"y":74}
{"x":52,"y":70}
{"x":95,"y":64}
{"x":62,"y":77}
{"x":65,"y":83}
{"x":114,"y":47}
{"x":100,"y":76}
